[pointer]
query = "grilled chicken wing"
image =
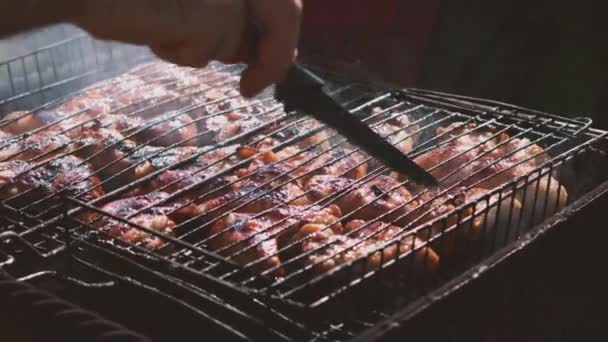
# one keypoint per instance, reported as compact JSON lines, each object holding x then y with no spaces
{"x":493,"y":215}
{"x":112,"y":155}
{"x":169,"y":129}
{"x":345,"y":163}
{"x":39,"y":146}
{"x":249,"y":238}
{"x":21,"y":122}
{"x":263,"y":190}
{"x":37,"y":185}
{"x":197,"y":179}
{"x":149,"y":211}
{"x":481,"y":158}
{"x":320,"y":187}
{"x":326,"y":249}
{"x":382,"y":197}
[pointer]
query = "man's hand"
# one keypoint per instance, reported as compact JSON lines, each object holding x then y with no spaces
{"x":262,"y":33}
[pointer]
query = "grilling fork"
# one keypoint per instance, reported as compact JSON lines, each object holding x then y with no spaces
{"x":307,"y":92}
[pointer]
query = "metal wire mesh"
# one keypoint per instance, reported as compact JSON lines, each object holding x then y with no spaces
{"x":209,"y":193}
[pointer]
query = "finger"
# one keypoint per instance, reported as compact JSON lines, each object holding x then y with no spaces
{"x":276,"y":48}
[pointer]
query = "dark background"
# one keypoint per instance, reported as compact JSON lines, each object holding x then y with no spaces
{"x":548,"y":55}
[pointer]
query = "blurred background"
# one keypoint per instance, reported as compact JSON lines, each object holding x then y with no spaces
{"x":547,"y":55}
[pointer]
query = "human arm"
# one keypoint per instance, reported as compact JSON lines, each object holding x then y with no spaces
{"x":186,"y":32}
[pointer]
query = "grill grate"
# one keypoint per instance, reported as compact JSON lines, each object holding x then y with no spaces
{"x":393,"y":242}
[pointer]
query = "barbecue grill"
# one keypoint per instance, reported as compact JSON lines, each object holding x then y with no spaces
{"x":55,"y":237}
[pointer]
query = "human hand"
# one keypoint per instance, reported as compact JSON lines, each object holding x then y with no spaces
{"x":194,"y":32}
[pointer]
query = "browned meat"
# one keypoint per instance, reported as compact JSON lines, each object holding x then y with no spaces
{"x":257,"y":193}
{"x":21,"y":122}
{"x":382,"y":195}
{"x":249,"y":238}
{"x":291,"y":160}
{"x":476,"y":154}
{"x":169,"y":129}
{"x":322,"y":186}
{"x":292,"y":130}
{"x":119,"y":122}
{"x":193,"y":176}
{"x":343,"y":163}
{"x":32,"y":183}
{"x":113,"y":156}
{"x":327,"y":249}
{"x":491,"y":165}
{"x":39,"y":146}
{"x":398,"y":136}
{"x":460,"y":228}
{"x":137,"y":211}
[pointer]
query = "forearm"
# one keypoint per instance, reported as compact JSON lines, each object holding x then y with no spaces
{"x":22,"y":15}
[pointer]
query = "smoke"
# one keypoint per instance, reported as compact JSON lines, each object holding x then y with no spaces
{"x":40,"y":66}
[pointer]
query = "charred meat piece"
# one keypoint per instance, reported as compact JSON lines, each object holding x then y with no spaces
{"x":148,"y":211}
{"x":292,"y":160}
{"x":396,"y":135}
{"x":375,"y":234}
{"x":261,"y":191}
{"x":27,"y":183}
{"x":326,"y":249}
{"x":112,"y":155}
{"x":382,"y":197}
{"x":456,"y":228}
{"x":464,"y":160}
{"x":39,"y":146}
{"x":322,"y":186}
{"x":250,"y":238}
{"x":198,"y":178}
{"x":475,"y":155}
{"x":293,"y":130}
{"x":118,"y":122}
{"x":477,"y":158}
{"x":17,"y":123}
{"x":345,"y":163}
{"x":167,"y":130}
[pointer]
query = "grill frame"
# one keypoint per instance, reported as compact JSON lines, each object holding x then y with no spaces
{"x":449,"y":100}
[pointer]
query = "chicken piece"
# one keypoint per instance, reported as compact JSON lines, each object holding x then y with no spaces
{"x":322,"y":186}
{"x":326,"y":249}
{"x":124,"y":124}
{"x":194,"y":176}
{"x":291,"y":160}
{"x":495,"y":162}
{"x":396,"y":135}
{"x":142,"y":211}
{"x":37,"y":185}
{"x":464,"y":160}
{"x":249,"y":238}
{"x":112,"y":155}
{"x":344,"y":163}
{"x":148,"y":100}
{"x":494,"y":216}
{"x":382,"y":197}
{"x":259,"y":192}
{"x":98,"y":99}
{"x":378,"y":233}
{"x":291,"y":130}
{"x":17,"y":123}
{"x":478,"y":155}
{"x":541,"y":198}
{"x":169,"y":129}
{"x":39,"y":146}
{"x":238,"y":126}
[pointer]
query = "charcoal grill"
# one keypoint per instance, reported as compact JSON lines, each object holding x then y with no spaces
{"x":354,"y":299}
